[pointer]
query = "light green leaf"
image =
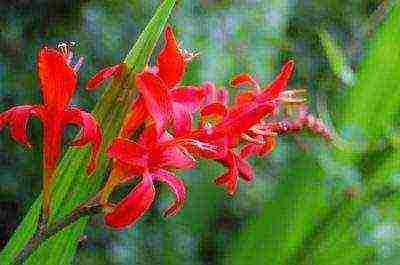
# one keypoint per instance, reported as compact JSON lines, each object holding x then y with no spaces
{"x":374,"y":100}
{"x":337,"y":58}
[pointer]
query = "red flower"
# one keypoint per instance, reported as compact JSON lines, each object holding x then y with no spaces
{"x":230,"y":124}
{"x":161,"y":98}
{"x":152,"y":158}
{"x":58,"y":80}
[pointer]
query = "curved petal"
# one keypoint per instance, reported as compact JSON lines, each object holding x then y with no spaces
{"x":57,"y":79}
{"x":103,"y":75}
{"x":229,"y":179}
{"x":177,"y":186}
{"x":171,"y":61}
{"x":133,"y":206}
{"x":214,"y":94}
{"x":18,"y":118}
{"x":249,"y":150}
{"x":245,"y":169}
{"x":135,"y":118}
{"x":156,"y":98}
{"x":213,"y":113}
{"x":190,"y":97}
{"x":129,"y":152}
{"x":258,"y":149}
{"x":182,"y":119}
{"x":242,"y":79}
{"x":91,"y":132}
{"x":272,"y":90}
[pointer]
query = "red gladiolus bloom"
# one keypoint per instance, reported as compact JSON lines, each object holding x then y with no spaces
{"x":151,"y":158}
{"x":58,"y":80}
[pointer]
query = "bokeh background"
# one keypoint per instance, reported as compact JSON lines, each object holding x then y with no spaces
{"x":311,"y":203}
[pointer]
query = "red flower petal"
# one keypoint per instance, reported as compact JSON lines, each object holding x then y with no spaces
{"x":229,"y":179}
{"x":245,"y":169}
{"x":163,"y":150}
{"x":213,"y":113}
{"x":156,"y":98}
{"x":103,"y":75}
{"x":272,"y":90}
{"x":242,"y":79}
{"x":91,"y":132}
{"x":245,"y":97}
{"x":182,"y":119}
{"x":129,"y":152}
{"x":249,"y":150}
{"x":133,"y":206}
{"x":57,"y":79}
{"x":258,"y":149}
{"x":177,"y":158}
{"x":242,"y":117}
{"x":270,"y":144}
{"x":135,"y":118}
{"x":52,"y":147}
{"x":214,"y":95}
{"x":177,"y":186}
{"x":171,"y":61}
{"x":203,"y":149}
{"x":190,"y":96}
{"x":18,"y":118}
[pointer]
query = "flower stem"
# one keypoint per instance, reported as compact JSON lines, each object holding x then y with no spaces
{"x":89,"y":208}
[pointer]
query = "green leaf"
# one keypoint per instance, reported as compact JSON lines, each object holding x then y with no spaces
{"x":337,"y":58}
{"x":374,"y":99}
{"x":72,"y":186}
{"x":280,"y":230}
{"x":370,"y":110}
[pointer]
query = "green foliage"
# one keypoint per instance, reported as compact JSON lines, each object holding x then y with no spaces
{"x":72,"y":186}
{"x":314,"y":223}
{"x":337,"y":58}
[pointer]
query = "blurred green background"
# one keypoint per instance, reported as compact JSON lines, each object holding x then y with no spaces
{"x":311,"y":203}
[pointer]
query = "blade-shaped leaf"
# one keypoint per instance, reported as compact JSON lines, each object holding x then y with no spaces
{"x":373,"y":102}
{"x":337,"y":58}
{"x":72,"y":186}
{"x":275,"y":235}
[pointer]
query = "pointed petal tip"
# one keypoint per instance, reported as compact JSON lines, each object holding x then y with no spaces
{"x":177,"y":186}
{"x":169,"y":33}
{"x":288,"y":69}
{"x":242,"y":79}
{"x":101,"y":76}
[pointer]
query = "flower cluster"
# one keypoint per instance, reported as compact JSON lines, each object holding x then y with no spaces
{"x":159,"y":136}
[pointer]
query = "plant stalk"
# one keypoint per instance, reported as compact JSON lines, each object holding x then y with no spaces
{"x":89,"y":208}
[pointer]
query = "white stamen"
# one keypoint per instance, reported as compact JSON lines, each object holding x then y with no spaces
{"x":78,"y":64}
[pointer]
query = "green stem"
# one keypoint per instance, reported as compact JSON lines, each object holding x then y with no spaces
{"x":90,"y":208}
